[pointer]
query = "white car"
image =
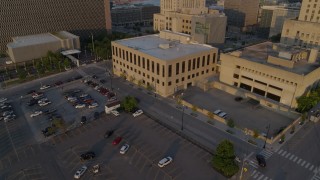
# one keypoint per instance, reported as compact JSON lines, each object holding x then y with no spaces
{"x":79,"y":106}
{"x":44,"y":103}
{"x":42,"y":100}
{"x":137,"y":113}
{"x":116,"y":113}
{"x":7,"y":113}
{"x":124,"y":148}
{"x":165,"y":161}
{"x":36,"y":113}
{"x":93,"y":105}
{"x":83,"y":95}
{"x":44,"y":87}
{"x":9,"y":62}
{"x":3,"y":100}
{"x":36,"y":95}
{"x":216,"y":112}
{"x":112,"y":99}
{"x":80,"y":172}
{"x":9,"y":118}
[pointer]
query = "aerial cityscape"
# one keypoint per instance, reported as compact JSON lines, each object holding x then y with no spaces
{"x":160,"y":90}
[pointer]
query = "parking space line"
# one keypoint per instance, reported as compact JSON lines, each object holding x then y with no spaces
{"x":307,"y":165}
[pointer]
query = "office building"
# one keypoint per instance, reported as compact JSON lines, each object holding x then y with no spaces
{"x":273,"y":17}
{"x":242,"y":14}
{"x":167,"y":62}
{"x":25,"y":48}
{"x":304,"y":31}
{"x":273,"y":74}
{"x":130,"y":15}
{"x":21,"y":17}
{"x":193,"y":18}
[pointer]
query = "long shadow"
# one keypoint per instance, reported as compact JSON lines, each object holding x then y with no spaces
{"x":173,"y":148}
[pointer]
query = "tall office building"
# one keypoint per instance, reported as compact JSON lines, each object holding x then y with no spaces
{"x":304,"y":31}
{"x":242,"y":14}
{"x":273,"y":17}
{"x":21,"y":17}
{"x":191,"y":17}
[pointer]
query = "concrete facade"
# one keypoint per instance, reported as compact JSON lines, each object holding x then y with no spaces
{"x":166,"y":62}
{"x":31,"y":47}
{"x":273,"y":17}
{"x":180,"y":16}
{"x":242,"y":14}
{"x":20,"y":18}
{"x":271,"y":73}
{"x":305,"y":31}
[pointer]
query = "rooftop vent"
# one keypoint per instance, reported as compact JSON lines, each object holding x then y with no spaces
{"x":164,"y":46}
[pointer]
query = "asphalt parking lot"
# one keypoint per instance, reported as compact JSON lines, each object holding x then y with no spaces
{"x":149,"y":143}
{"x":244,"y":114}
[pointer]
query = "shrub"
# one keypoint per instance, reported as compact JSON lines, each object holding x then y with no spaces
{"x":255,"y":133}
{"x":230,"y":123}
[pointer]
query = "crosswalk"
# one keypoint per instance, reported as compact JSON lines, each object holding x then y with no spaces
{"x":292,"y":157}
{"x":316,"y":177}
{"x":265,"y":152}
{"x":259,"y":176}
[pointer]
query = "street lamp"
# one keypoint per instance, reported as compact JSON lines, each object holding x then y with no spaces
{"x":265,"y":142}
{"x":155,"y":88}
{"x":182,"y":118}
{"x":244,"y":159}
{"x":110,"y":78}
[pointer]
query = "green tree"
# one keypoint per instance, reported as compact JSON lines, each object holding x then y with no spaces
{"x":194,"y":108}
{"x":129,"y":103}
{"x":22,"y":73}
{"x":67,"y":63}
{"x":140,"y":83}
{"x":149,"y":87}
{"x":255,"y":133}
{"x":223,"y":159}
{"x":210,"y":115}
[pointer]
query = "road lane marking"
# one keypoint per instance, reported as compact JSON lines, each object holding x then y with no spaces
{"x":288,"y":155}
{"x":292,"y":156}
{"x":303,"y":163}
{"x":254,"y":172}
{"x":298,"y":162}
{"x":281,"y":150}
{"x":284,"y":152}
{"x":265,"y":178}
{"x":295,"y":159}
{"x":260,"y":177}
{"x":307,"y":165}
{"x":311,"y":167}
{"x":255,"y":176}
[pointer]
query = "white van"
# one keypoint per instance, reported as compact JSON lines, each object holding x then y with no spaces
{"x":222,"y":114}
{"x":216,"y":112}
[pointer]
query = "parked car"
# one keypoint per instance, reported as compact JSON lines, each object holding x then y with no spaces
{"x":83,"y":120}
{"x":48,"y":131}
{"x":112,"y":99}
{"x":49,"y":111}
{"x":45,"y":103}
{"x":9,"y":117}
{"x":84,"y":95}
{"x":80,"y":172}
{"x":108,"y":133}
{"x":223,"y":115}
{"x":32,"y":102}
{"x":137,"y":113}
{"x":37,"y":94}
{"x":124,"y":148}
{"x":93,"y":105}
{"x":103,"y":81}
{"x":77,"y":77}
{"x":114,"y":112}
{"x":87,"y":156}
{"x":3,"y":99}
{"x":79,"y":106}
{"x":117,"y":140}
{"x":42,"y":100}
{"x":95,"y":77}
{"x":6,"y":113}
{"x":45,"y":87}
{"x":58,"y":83}
{"x":261,"y":160}
{"x":216,"y":112}
{"x":165,"y":161}
{"x":96,"y":169}
{"x":31,"y":91}
{"x":36,"y":113}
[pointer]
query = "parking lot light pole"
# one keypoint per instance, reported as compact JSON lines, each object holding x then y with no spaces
{"x":265,"y":142}
{"x":182,"y":118}
{"x":110,"y":79}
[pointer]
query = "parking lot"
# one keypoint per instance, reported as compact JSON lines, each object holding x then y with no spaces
{"x":244,"y":113}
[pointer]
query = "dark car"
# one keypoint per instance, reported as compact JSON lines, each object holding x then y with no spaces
{"x":58,"y":83}
{"x":108,"y":133}
{"x":95,"y":77}
{"x":103,"y":81}
{"x":49,"y":111}
{"x":116,"y":141}
{"x":83,"y":119}
{"x":77,"y":77}
{"x":261,"y":160}
{"x":48,"y":131}
{"x":31,"y":92}
{"x":87,"y":156}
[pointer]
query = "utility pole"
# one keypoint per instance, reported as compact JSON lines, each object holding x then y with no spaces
{"x":182,"y":118}
{"x":265,"y":142}
{"x":244,"y":159}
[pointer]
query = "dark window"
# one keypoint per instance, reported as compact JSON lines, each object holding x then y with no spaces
{"x":189,"y":65}
{"x":188,"y":76}
{"x":170,"y":70}
{"x":177,"y":80}
{"x":260,"y":82}
{"x":207,"y":71}
{"x":214,"y":58}
{"x":212,"y":69}
{"x":123,"y":55}
{"x":197,"y":74}
{"x":208,"y":59}
{"x":120,"y":52}
{"x":236,"y":76}
{"x":139,"y":61}
{"x":130,"y":57}
{"x":182,"y":79}
{"x":192,"y":75}
{"x":202,"y":72}
{"x":198,"y":62}
{"x":134,"y":60}
{"x":183,"y":66}
{"x":235,"y":84}
{"x":148,"y":64}
{"x":158,"y":69}
{"x":273,"y":97}
{"x":113,"y":50}
{"x":245,"y":77}
{"x":238,"y":67}
{"x":177,"y":68}
{"x":152,"y":66}
{"x":169,"y":83}
{"x":258,"y":91}
{"x":162,"y":83}
{"x":275,"y":87}
{"x":163,"y":69}
{"x":143,"y":63}
{"x":203,"y":61}
{"x":194,"y":64}
{"x":245,"y":86}
{"x":127,"y":56}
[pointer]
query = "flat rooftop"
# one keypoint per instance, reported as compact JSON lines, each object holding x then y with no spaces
{"x":150,"y":45}
{"x":22,"y":41}
{"x":259,"y":53}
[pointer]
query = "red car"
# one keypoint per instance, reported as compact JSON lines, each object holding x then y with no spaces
{"x":117,"y":140}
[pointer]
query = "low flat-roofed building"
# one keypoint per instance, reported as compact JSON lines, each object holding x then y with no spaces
{"x":272,"y":72}
{"x":25,"y":48}
{"x":167,"y":62}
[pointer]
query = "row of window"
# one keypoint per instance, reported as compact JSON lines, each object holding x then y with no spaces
{"x":236,"y":76}
{"x":258,"y":91}
{"x":153,"y":67}
{"x":266,"y":75}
